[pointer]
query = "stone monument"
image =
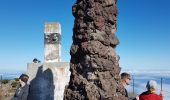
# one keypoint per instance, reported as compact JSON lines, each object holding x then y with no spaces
{"x":94,"y":63}
{"x":47,"y":80}
{"x":52,"y":42}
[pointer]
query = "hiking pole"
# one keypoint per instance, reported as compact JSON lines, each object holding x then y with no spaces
{"x":161,"y":87}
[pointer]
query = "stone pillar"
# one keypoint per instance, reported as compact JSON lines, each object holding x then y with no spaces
{"x":52,"y":39}
{"x":94,"y":63}
{"x":48,"y":80}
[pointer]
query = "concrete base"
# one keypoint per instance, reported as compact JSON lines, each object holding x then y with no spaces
{"x":47,"y":81}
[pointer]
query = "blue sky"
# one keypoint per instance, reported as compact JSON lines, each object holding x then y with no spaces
{"x":143,"y":31}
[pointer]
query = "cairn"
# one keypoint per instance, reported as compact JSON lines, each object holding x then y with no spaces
{"x":94,"y":63}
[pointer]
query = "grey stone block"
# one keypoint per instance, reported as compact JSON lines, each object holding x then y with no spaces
{"x":47,"y":81}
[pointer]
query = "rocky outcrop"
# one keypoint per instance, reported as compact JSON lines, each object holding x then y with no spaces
{"x":94,"y":63}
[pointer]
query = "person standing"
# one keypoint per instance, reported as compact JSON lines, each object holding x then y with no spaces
{"x":35,"y":60}
{"x":22,"y":91}
{"x":150,"y":94}
{"x":125,"y":80}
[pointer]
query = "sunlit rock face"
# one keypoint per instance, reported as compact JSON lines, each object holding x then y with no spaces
{"x":94,"y":63}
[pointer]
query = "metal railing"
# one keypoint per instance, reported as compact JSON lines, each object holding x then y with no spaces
{"x":161,"y":83}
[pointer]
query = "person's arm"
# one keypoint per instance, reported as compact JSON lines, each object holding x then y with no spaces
{"x":25,"y":93}
{"x":14,"y":98}
{"x":136,"y":98}
{"x":162,"y":94}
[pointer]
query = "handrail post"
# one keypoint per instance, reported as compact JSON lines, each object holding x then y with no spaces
{"x":133,"y":85}
{"x":161,"y":83}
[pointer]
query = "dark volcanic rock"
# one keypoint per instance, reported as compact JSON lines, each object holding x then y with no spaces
{"x":94,"y":63}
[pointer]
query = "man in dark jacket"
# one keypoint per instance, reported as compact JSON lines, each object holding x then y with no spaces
{"x":125,"y":79}
{"x":22,"y":91}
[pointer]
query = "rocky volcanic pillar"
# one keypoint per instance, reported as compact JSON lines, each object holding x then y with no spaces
{"x":94,"y":64}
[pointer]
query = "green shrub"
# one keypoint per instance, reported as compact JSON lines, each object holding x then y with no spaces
{"x":5,"y":81}
{"x":16,"y":79}
{"x":14,"y":84}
